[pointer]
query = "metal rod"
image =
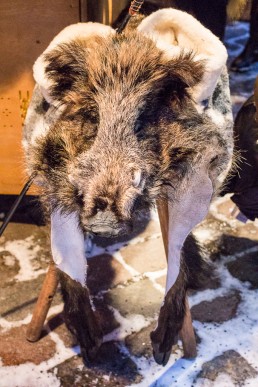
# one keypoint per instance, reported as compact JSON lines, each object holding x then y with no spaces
{"x":123,"y":24}
{"x":16,"y":203}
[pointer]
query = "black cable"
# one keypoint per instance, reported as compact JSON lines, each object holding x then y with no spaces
{"x":16,"y":203}
{"x":123,"y":24}
{"x":133,"y":11}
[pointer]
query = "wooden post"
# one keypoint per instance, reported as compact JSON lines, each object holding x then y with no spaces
{"x":43,"y":304}
{"x":187,"y":333}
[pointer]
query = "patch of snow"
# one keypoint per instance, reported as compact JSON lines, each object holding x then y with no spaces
{"x":27,"y":375}
{"x":106,"y":377}
{"x":153,"y":275}
{"x":155,"y":375}
{"x":6,"y":325}
{"x":137,"y":240}
{"x":9,"y":260}
{"x":25,"y":252}
{"x":204,"y":234}
{"x":223,"y":380}
{"x":31,"y":375}
{"x":129,"y":324}
{"x":118,"y":256}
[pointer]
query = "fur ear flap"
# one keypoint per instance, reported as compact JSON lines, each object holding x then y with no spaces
{"x":180,"y":76}
{"x":187,"y":68}
{"x":185,"y":73}
{"x":61,"y":63}
{"x":175,"y":31}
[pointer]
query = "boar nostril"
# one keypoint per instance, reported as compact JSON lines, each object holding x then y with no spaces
{"x":100,"y":204}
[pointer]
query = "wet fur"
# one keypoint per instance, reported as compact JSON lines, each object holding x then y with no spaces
{"x":79,"y":316}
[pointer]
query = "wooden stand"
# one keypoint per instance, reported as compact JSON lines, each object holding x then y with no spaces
{"x":43,"y":304}
{"x":51,"y":281}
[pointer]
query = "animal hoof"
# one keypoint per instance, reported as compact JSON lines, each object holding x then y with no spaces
{"x":89,"y":354}
{"x":160,"y":357}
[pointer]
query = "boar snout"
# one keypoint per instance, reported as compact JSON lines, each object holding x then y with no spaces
{"x":104,"y":216}
{"x":111,"y":199}
{"x":106,"y":224}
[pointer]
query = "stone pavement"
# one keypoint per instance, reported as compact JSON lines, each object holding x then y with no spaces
{"x":127,"y":280}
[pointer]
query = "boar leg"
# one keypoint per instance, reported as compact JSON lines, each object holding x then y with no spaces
{"x":190,"y":207}
{"x":68,"y":249}
{"x":80,"y":318}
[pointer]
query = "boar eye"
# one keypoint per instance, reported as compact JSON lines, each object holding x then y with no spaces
{"x":89,"y":131}
{"x":214,"y":160}
{"x":139,"y":130}
{"x":45,"y":105}
{"x":138,"y":127}
{"x":90,"y":135}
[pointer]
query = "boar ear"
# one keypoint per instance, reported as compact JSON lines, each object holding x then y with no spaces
{"x":175,"y":31}
{"x":184,"y":73}
{"x":63,"y":62}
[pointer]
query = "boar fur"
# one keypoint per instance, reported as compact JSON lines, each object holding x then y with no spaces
{"x":115,"y":123}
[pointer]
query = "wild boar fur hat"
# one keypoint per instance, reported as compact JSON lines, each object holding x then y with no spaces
{"x":173,"y":32}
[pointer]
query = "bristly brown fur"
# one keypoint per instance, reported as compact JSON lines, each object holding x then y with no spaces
{"x":123,"y":101}
{"x":128,"y":129}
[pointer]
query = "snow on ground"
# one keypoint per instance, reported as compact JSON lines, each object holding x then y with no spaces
{"x":25,"y":252}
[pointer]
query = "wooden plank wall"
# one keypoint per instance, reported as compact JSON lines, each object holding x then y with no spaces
{"x":26,"y":28}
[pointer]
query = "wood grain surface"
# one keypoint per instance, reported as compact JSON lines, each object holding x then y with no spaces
{"x":26,"y":29}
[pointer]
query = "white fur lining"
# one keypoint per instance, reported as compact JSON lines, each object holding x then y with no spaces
{"x":79,"y":30}
{"x":174,"y":30}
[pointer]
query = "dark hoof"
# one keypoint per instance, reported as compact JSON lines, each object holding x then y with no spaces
{"x":89,"y":354}
{"x":160,"y":357}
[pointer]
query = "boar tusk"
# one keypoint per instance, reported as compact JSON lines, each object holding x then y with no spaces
{"x":137,"y":178}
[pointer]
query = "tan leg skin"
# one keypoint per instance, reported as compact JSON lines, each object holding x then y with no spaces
{"x":187,"y":333}
{"x":187,"y":206}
